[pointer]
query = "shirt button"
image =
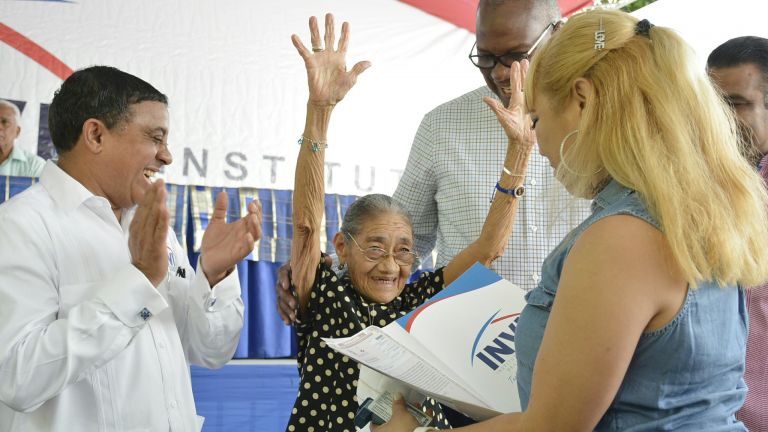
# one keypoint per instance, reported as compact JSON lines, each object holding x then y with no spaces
{"x":536,"y":278}
{"x":211,"y":303}
{"x":534,"y":228}
{"x":533,"y":182}
{"x":173,"y":404}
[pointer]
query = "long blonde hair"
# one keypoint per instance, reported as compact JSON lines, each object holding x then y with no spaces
{"x":656,"y":124}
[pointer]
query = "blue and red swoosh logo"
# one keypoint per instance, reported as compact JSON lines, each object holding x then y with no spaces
{"x":491,"y":320}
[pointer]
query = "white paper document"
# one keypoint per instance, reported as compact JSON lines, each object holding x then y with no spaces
{"x":458,"y":347}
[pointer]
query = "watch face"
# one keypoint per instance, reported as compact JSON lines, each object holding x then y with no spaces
{"x":519,"y":191}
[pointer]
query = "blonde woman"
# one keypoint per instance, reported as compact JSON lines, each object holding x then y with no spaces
{"x":639,"y":321}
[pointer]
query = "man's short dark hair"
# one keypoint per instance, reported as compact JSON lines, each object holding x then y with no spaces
{"x":740,"y":51}
{"x":550,"y":6}
{"x":99,"y":92}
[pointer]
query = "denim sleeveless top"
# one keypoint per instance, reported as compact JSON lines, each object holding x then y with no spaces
{"x":684,"y":376}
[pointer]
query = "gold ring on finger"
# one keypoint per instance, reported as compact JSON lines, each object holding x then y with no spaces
{"x":317,"y":49}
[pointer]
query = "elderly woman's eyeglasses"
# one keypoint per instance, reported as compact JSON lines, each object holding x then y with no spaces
{"x":402,"y":257}
{"x":489,"y":61}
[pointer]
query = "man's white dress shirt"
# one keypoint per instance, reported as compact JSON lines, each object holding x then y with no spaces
{"x":455,"y":161}
{"x":86,"y":342}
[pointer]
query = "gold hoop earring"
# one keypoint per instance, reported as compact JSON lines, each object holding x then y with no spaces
{"x":562,"y":156}
{"x":562,"y":146}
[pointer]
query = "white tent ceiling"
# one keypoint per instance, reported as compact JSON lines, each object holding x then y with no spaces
{"x":705,"y":24}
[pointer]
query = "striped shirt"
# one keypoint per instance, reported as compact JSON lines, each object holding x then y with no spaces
{"x":455,"y":161}
{"x":754,"y":413}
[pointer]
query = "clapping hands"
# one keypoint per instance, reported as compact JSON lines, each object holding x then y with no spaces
{"x":148,"y":234}
{"x":225,"y":244}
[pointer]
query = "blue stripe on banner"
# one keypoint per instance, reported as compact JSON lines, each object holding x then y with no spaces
{"x":267,"y":225}
{"x":201,"y":208}
{"x":233,"y":204}
{"x":335,"y":208}
{"x":283,"y":206}
{"x":177,"y":207}
{"x":11,"y":185}
{"x":18,"y":184}
{"x":248,"y":195}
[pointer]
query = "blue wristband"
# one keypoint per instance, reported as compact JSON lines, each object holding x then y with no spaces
{"x":515,"y":192}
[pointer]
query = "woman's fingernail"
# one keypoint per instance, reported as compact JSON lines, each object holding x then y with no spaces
{"x":398,"y":396}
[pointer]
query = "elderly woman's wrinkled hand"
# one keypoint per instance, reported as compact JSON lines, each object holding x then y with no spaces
{"x":401,"y":420}
{"x":327,"y":74}
{"x":514,"y":119}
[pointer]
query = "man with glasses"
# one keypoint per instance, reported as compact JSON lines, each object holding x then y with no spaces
{"x":454,"y":160}
{"x":453,"y":164}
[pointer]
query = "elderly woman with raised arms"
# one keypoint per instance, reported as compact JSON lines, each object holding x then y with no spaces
{"x":375,"y":243}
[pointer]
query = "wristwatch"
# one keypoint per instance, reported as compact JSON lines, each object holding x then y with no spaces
{"x":515,"y":192}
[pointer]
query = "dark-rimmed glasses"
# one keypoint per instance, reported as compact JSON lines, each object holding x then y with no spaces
{"x":376,"y":254}
{"x":489,"y":61}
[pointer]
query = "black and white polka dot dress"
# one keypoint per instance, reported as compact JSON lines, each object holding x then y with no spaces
{"x":327,"y":398}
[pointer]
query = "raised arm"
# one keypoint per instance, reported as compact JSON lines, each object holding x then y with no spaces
{"x":501,"y":216}
{"x":329,"y":81}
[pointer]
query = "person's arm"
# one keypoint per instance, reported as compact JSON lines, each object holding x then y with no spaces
{"x":596,"y":321}
{"x":287,"y":303}
{"x":209,"y":318}
{"x":497,"y":228}
{"x":206,"y":304}
{"x":329,"y":81}
{"x":417,"y":188}
{"x":46,"y":345}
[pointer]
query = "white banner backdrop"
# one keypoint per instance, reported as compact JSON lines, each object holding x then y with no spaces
{"x":237,"y":87}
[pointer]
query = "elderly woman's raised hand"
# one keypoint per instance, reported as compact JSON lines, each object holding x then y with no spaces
{"x":515,"y":121}
{"x":327,"y":74}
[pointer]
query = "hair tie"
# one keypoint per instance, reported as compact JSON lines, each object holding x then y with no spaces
{"x":643,"y":28}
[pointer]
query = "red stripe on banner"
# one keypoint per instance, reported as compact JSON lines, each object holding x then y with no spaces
{"x":569,"y":7}
{"x":462,"y":12}
{"x":34,"y":51}
{"x":505,"y":317}
{"x":459,"y":12}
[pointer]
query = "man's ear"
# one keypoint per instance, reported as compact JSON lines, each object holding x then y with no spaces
{"x":93,"y":135}
{"x":341,"y":247}
{"x":18,"y":131}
